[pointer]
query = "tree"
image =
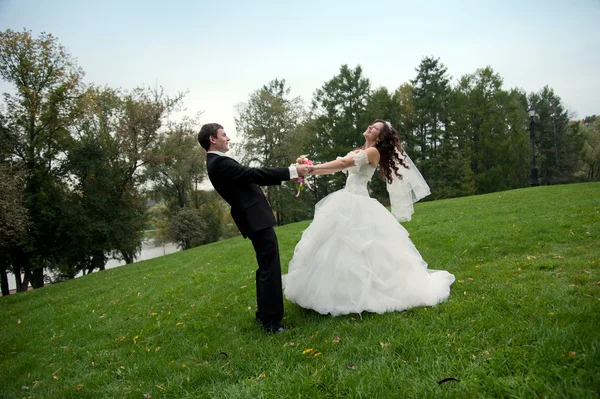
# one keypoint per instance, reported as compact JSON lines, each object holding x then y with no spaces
{"x":490,"y":132}
{"x":404,"y":118}
{"x":136,"y":137}
{"x":436,"y":144}
{"x":181,"y":165}
{"x":590,"y":157}
{"x":186,"y":228}
{"x":431,"y":90}
{"x":558,"y":146}
{"x":271,"y":126}
{"x":47,"y":86}
{"x":338,"y":108}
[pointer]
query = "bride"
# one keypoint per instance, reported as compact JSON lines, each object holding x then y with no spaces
{"x":355,"y":256}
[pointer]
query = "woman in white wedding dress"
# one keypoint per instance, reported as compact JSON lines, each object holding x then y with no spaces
{"x":355,"y":256}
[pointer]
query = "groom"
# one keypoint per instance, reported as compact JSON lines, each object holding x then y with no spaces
{"x":239,"y":186}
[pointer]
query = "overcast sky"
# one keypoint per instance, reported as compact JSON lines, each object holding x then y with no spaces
{"x":222,"y":51}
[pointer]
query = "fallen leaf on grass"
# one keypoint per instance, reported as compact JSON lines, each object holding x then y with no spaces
{"x":309,"y":350}
{"x":351,"y":366}
{"x":179,"y":324}
{"x":336,"y":340}
{"x":572,"y":354}
{"x":147,"y":396}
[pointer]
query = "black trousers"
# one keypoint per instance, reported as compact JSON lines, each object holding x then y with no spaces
{"x":269,"y":293}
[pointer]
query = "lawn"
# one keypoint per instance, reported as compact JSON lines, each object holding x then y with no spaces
{"x":522,"y":319}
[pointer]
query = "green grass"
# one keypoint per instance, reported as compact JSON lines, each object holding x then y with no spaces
{"x":522,"y":319}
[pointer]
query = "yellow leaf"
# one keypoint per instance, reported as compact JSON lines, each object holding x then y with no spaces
{"x":183,"y":366}
{"x":179,"y":324}
{"x":572,"y":354}
{"x":307,"y":351}
{"x":55,"y":377}
{"x":316,"y":354}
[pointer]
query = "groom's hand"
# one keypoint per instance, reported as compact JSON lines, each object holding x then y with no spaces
{"x":303,"y":170}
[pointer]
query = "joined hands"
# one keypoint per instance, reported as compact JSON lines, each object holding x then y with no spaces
{"x":304,"y":170}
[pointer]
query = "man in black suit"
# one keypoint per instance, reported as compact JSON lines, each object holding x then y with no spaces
{"x":239,"y":186}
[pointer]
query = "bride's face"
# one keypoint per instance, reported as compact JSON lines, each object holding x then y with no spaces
{"x":372,"y":132}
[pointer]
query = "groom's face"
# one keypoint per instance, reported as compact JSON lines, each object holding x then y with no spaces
{"x":221,"y":142}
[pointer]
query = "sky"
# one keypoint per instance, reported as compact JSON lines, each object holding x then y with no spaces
{"x":222,"y":51}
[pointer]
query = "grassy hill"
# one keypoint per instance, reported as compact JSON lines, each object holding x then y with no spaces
{"x":522,"y":319}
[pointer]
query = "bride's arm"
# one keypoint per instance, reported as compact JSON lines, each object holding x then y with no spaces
{"x":343,"y":163}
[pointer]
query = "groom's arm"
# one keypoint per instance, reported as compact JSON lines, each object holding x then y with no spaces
{"x":231,"y":170}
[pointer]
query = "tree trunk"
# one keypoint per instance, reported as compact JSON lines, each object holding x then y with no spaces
{"x":4,"y":281}
{"x":26,"y":278}
{"x":38,"y":277}
{"x":128,"y":257}
{"x":19,"y":264}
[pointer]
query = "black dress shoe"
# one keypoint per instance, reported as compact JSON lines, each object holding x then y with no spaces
{"x":278,"y":329}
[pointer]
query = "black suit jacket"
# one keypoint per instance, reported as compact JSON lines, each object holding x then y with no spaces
{"x":239,"y":186}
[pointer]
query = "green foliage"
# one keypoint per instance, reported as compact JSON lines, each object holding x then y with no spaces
{"x":273,"y":134}
{"x":186,"y":228}
{"x":338,"y":109}
{"x":37,"y":118}
{"x":521,"y":320}
{"x":181,"y":166}
{"x":490,"y":132}
{"x":558,"y":147}
{"x":590,"y":160}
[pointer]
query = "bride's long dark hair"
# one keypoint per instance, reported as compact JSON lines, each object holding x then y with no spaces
{"x":387,"y":145}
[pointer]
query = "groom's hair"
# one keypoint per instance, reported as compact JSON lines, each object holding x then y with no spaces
{"x":207,"y":130}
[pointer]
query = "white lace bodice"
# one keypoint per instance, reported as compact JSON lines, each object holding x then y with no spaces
{"x":359,"y":174}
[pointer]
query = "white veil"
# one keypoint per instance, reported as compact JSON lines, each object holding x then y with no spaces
{"x":406,"y":191}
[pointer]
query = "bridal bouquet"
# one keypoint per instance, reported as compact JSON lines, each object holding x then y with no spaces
{"x":302,"y":182}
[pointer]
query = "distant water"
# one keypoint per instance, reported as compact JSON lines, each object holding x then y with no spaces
{"x":151,"y":248}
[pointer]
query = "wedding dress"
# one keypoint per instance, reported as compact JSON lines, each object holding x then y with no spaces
{"x":356,"y":257}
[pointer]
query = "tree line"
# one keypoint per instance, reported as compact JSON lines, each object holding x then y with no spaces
{"x":85,"y":170}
